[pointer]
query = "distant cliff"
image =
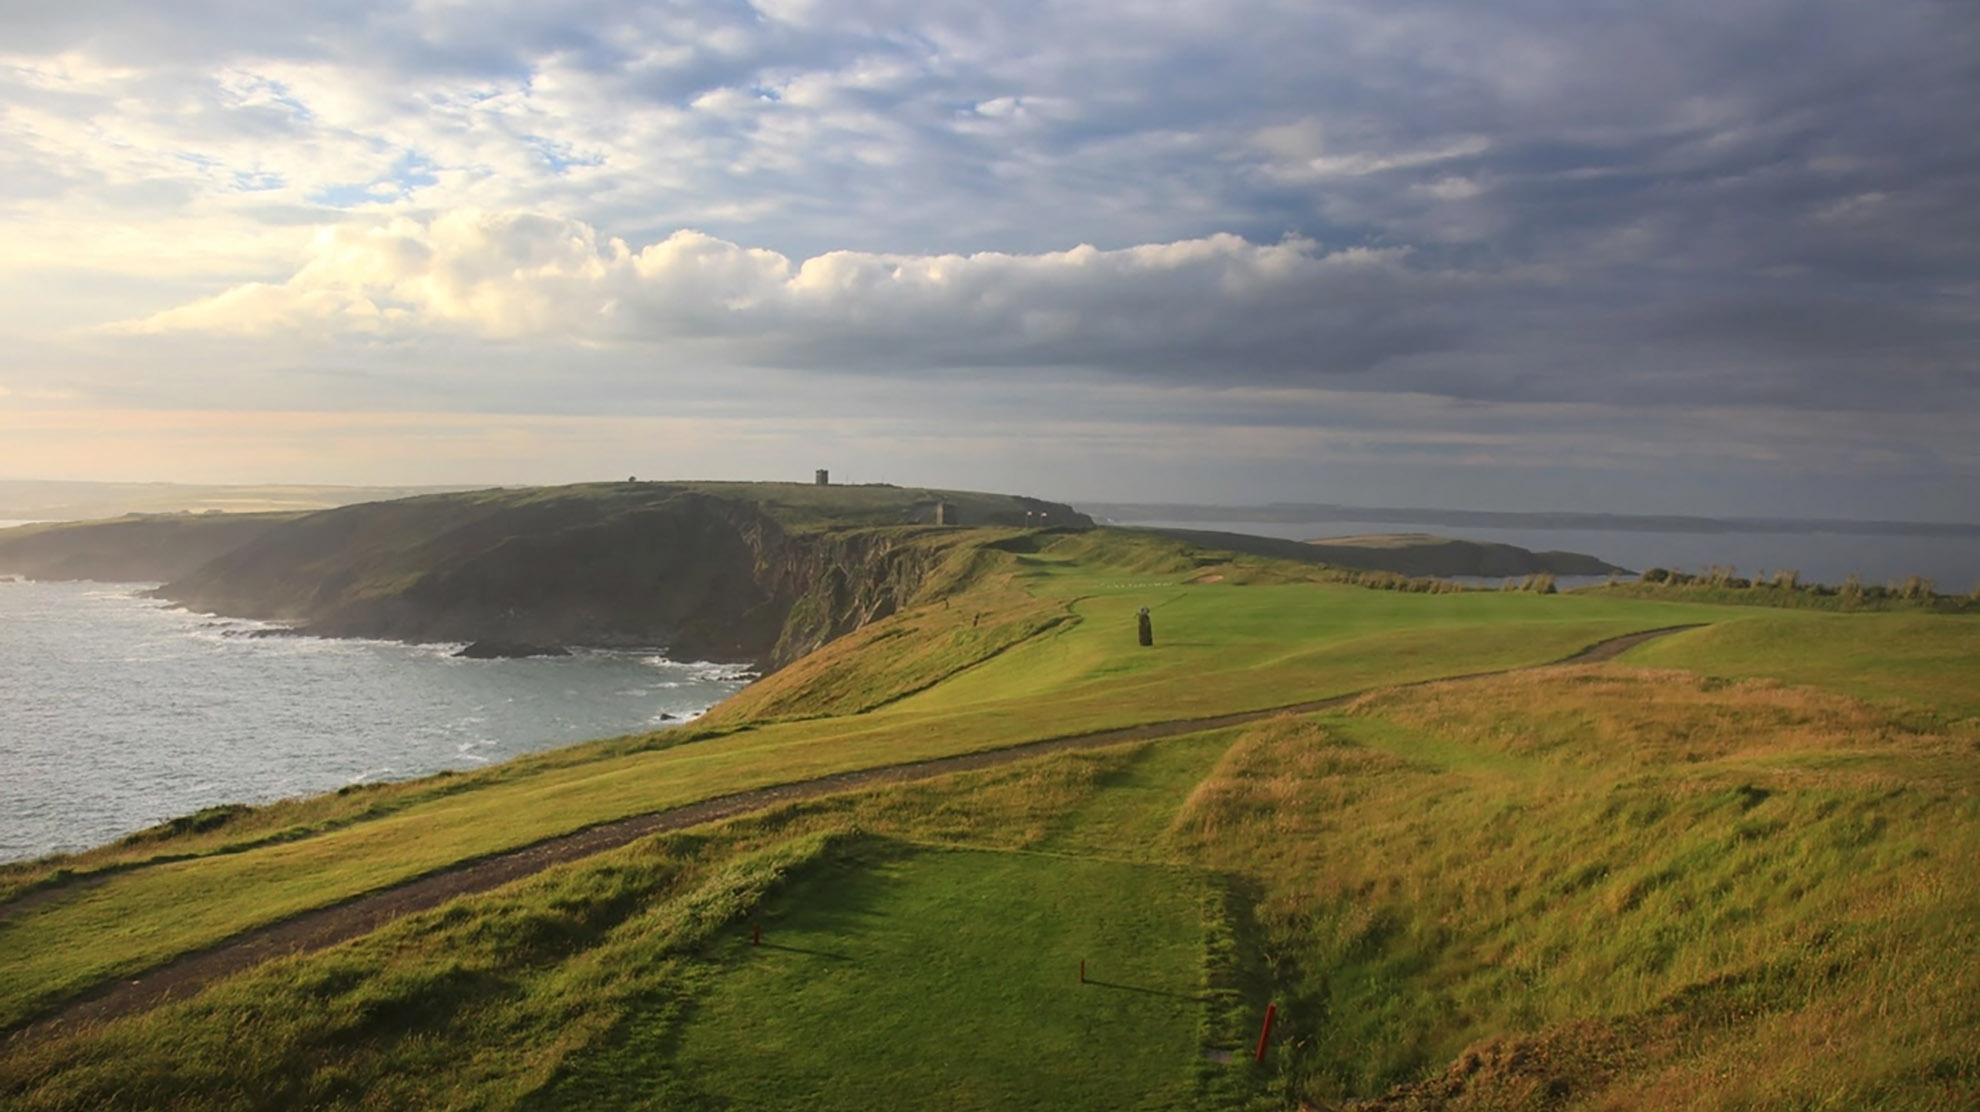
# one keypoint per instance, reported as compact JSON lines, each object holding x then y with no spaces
{"x":137,"y":548}
{"x":726,"y":571}
{"x":1415,"y":554}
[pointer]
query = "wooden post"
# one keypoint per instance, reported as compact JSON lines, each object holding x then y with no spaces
{"x":756,"y":939}
{"x":1082,"y":971}
{"x":1265,"y":1033}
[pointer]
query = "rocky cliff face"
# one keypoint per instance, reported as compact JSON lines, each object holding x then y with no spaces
{"x":705,"y":577}
{"x":762,"y":572}
{"x":839,"y":583}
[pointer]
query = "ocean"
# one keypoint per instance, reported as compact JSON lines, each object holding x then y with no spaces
{"x":118,"y":712}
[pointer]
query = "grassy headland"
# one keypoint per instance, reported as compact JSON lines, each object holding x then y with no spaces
{"x":1610,"y":886}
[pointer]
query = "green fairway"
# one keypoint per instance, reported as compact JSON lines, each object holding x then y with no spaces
{"x":1921,"y":660}
{"x":949,"y":979}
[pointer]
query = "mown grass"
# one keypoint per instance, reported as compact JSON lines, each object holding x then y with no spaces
{"x":953,"y":976}
{"x":1926,"y":662}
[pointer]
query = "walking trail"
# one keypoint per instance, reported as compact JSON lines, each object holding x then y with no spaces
{"x":327,"y":926}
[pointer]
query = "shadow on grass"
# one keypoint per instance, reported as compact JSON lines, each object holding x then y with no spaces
{"x":1144,"y":990}
{"x":829,"y":955}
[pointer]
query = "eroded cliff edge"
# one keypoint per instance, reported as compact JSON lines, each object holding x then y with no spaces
{"x":705,"y":575}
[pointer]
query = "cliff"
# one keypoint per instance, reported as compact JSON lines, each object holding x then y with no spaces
{"x":137,"y":548}
{"x":757,"y":572}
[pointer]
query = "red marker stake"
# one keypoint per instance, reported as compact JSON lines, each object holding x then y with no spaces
{"x":1271,"y":1010}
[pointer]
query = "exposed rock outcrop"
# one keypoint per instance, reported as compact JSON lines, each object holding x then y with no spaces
{"x":703,"y":576}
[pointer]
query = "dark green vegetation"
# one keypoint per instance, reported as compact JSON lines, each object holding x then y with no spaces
{"x":1731,"y":870}
{"x":1786,"y":589}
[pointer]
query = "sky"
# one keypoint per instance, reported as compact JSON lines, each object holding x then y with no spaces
{"x":1691,"y":257}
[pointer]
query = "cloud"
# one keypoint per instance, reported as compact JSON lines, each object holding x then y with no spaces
{"x":1762,"y":208}
{"x":1218,"y":309}
{"x":528,"y":276}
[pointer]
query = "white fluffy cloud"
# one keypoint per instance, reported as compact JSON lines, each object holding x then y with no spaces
{"x":529,"y":276}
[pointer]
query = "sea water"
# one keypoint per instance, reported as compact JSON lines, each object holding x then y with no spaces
{"x":119,"y":711}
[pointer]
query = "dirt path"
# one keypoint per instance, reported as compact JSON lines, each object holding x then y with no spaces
{"x":327,"y":926}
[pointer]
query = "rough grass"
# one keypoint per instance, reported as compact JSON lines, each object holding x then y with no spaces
{"x":1614,"y":889}
{"x":1592,"y":887}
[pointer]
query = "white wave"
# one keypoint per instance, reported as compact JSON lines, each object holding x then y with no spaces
{"x":132,"y":591}
{"x":718,"y":672}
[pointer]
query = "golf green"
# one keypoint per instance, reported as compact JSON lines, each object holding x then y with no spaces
{"x":951,"y":979}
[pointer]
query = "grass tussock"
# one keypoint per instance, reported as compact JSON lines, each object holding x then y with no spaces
{"x":1594,"y":887}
